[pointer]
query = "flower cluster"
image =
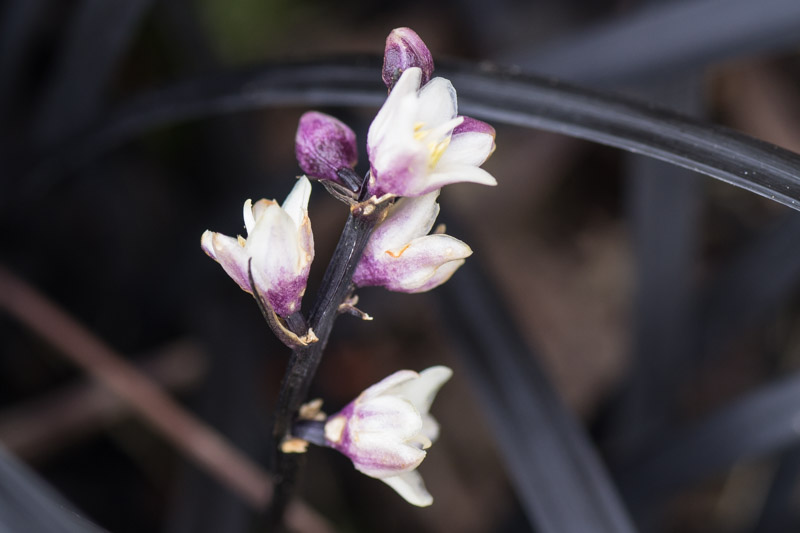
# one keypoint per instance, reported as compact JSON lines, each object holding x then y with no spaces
{"x":417,"y":144}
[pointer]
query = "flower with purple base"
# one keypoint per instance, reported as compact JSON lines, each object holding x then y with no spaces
{"x":400,"y":254}
{"x":404,"y":50}
{"x":279,"y":246}
{"x":386,"y":430}
{"x":324,"y":145}
{"x":418,"y":143}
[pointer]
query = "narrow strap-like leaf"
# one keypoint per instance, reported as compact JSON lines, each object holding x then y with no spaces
{"x":28,"y":504}
{"x":494,"y":95}
{"x":603,"y":54}
{"x":94,"y":43}
{"x":560,"y":481}
{"x":762,"y":422}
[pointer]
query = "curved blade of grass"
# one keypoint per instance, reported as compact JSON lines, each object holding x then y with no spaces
{"x":664,"y":256}
{"x":98,"y":36}
{"x":494,"y":95}
{"x":560,"y":481}
{"x":28,"y":504}
{"x":752,"y":285}
{"x":762,"y":422}
{"x":603,"y":54}
{"x":779,"y":512}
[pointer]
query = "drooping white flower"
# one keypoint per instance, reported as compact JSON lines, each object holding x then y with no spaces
{"x":400,"y":254}
{"x":279,"y":243}
{"x":386,"y":430}
{"x":418,"y":143}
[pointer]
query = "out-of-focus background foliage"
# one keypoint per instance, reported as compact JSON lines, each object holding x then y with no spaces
{"x":613,"y":266}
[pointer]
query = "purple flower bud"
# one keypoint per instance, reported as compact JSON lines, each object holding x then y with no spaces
{"x":386,"y":430}
{"x":324,"y":145}
{"x":404,"y":50}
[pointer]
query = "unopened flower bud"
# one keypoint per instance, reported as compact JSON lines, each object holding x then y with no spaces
{"x":404,"y":50}
{"x":325,"y":145}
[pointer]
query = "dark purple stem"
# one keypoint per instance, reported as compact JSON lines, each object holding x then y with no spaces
{"x":335,"y":288}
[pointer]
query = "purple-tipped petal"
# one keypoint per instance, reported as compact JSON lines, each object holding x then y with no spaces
{"x":473,"y":125}
{"x":404,"y":50}
{"x":324,"y":145}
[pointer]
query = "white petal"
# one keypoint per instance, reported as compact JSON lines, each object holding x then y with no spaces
{"x":229,"y":254}
{"x":452,"y":173}
{"x":412,"y":270}
{"x":399,"y":377}
{"x":273,"y":245}
{"x":430,"y":428}
{"x":441,"y":275}
{"x":410,"y":486}
{"x":296,"y":204}
{"x":393,"y":418}
{"x":405,"y":89}
{"x":379,"y":457}
{"x":407,"y":219}
{"x":421,"y":392}
{"x":260,"y":207}
{"x":249,"y":219}
{"x":437,"y":103}
{"x":470,"y":148}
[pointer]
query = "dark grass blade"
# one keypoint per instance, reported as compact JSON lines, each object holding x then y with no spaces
{"x":17,"y":21}
{"x":560,"y":481}
{"x":497,"y":96}
{"x":97,"y":37}
{"x":779,"y":512}
{"x":664,"y":209}
{"x":761,"y":423}
{"x":752,"y":285}
{"x":670,"y":38}
{"x":28,"y":504}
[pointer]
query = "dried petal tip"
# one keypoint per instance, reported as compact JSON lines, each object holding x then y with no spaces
{"x":404,"y":50}
{"x":324,"y":145}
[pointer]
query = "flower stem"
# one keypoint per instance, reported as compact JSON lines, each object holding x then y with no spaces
{"x":336,"y":287}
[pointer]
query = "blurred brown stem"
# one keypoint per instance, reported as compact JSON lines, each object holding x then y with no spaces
{"x":40,"y":426}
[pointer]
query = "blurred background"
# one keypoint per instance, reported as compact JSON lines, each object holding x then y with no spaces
{"x":661,"y":305}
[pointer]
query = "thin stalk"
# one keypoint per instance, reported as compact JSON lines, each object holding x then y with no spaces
{"x":335,"y":288}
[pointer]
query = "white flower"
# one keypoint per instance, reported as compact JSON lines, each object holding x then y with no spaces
{"x":400,"y":254}
{"x":387,"y":428}
{"x":279,"y":243}
{"x":418,"y":143}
